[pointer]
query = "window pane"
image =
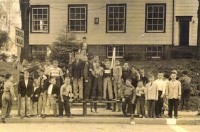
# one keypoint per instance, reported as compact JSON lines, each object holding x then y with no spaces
{"x":110,"y":28}
{"x":150,"y":9}
{"x":83,"y":10}
{"x":44,"y":11}
{"x":155,"y":9}
{"x":72,"y":10}
{"x":149,"y":27}
{"x":121,"y":9}
{"x":111,"y":15}
{"x":150,"y":15}
{"x":111,"y":9}
{"x":160,"y":15}
{"x":34,"y":11}
{"x":39,"y":11}
{"x":160,"y":27}
{"x":121,"y":15}
{"x":161,"y":9}
{"x":72,"y":16}
{"x":78,"y":10}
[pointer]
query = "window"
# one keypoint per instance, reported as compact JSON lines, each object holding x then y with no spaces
{"x":116,"y":18}
{"x":40,"y":19}
{"x":77,"y":18}
{"x":119,"y":51}
{"x":155,"y":17}
{"x":39,"y":51}
{"x":154,"y":51}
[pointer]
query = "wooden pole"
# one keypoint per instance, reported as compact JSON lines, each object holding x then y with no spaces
{"x":18,"y":78}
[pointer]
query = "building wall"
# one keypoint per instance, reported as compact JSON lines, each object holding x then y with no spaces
{"x":96,"y":34}
{"x":187,"y":8}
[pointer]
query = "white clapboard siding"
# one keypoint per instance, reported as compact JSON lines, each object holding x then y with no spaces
{"x":135,"y":22}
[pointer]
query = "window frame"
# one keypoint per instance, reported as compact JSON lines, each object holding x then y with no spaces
{"x":157,"y":51}
{"x":48,"y":18}
{"x":86,"y":17}
{"x":36,"y":52}
{"x":107,"y":50}
{"x":107,"y":19}
{"x":164,"y":19}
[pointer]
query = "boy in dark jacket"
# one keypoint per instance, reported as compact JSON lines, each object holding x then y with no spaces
{"x":25,"y":90}
{"x":53,"y":92}
{"x":35,"y":96}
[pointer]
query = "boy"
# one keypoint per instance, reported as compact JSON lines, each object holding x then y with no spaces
{"x":77,"y":77}
{"x":35,"y":96}
{"x":135,"y":76}
{"x":143,"y":78}
{"x":161,"y":93}
{"x":126,"y":72}
{"x":42,"y":80}
{"x":56,"y":73}
{"x":186,"y":90}
{"x":25,"y":90}
{"x":151,"y":95}
{"x":117,"y":82}
{"x":128,"y":96}
{"x":8,"y":94}
{"x":87,"y":73}
{"x":66,"y":97}
{"x":47,"y":69}
{"x":97,"y":84}
{"x":140,"y":93}
{"x":117,"y":75}
{"x":52,"y":96}
{"x":107,"y":81}
{"x":173,"y":93}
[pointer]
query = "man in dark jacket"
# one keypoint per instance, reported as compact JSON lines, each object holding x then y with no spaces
{"x":25,"y":90}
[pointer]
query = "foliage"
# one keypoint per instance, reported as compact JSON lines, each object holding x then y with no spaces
{"x":3,"y":57}
{"x":4,"y":38}
{"x":66,"y":43}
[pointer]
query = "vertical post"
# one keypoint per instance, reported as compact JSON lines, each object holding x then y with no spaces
{"x":84,"y":108}
{"x":18,"y":78}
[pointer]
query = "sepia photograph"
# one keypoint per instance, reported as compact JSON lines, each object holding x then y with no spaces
{"x":99,"y":65}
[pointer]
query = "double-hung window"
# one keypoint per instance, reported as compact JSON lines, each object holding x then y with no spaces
{"x":77,"y":15}
{"x":40,"y":19}
{"x":155,"y":18}
{"x":116,"y":18}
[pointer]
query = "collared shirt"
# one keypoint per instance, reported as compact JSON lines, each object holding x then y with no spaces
{"x":173,"y":90}
{"x":160,"y":84}
{"x":35,"y":88}
{"x":50,"y":88}
{"x":26,"y":82}
{"x":66,"y":89}
{"x":8,"y":87}
{"x":56,"y":72}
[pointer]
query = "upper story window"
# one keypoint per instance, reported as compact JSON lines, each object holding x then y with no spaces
{"x":116,"y":18}
{"x":77,"y":18}
{"x":40,"y":19}
{"x":155,"y":18}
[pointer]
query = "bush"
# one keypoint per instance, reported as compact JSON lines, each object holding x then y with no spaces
{"x":4,"y":38}
{"x":3,"y":57}
{"x":66,"y":43}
